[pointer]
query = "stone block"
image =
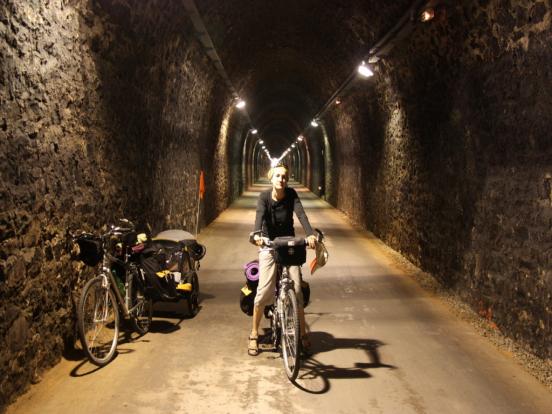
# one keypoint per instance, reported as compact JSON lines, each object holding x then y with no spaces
{"x":18,"y":334}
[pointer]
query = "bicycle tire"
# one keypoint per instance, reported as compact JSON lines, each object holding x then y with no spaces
{"x":98,"y":322}
{"x":192,"y":298}
{"x":290,"y":335}
{"x":141,"y":305}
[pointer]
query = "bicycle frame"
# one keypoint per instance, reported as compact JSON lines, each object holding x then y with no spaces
{"x":107,"y":275}
{"x":102,"y":303}
{"x":109,"y":280}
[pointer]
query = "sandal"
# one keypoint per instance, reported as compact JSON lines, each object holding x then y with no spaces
{"x":253,"y":350}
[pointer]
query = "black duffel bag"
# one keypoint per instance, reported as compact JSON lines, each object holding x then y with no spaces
{"x":153,"y":261}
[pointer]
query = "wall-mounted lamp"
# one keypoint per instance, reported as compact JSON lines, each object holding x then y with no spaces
{"x":300,"y":138}
{"x":254,"y":131}
{"x":364,"y":70}
{"x":314,"y":123}
{"x":292,"y":145}
{"x":338,"y":101}
{"x":261,"y":141}
{"x":427,"y":15}
{"x":240,"y":103}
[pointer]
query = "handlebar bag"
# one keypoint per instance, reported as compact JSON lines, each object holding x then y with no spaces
{"x":90,"y":250}
{"x":290,"y":251}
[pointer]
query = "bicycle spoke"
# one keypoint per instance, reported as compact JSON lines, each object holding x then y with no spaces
{"x":290,"y":334}
{"x":98,"y":322}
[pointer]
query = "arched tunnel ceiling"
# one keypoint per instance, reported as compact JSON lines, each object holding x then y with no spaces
{"x":286,"y":58}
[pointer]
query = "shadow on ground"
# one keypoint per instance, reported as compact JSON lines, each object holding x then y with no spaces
{"x":314,"y":376}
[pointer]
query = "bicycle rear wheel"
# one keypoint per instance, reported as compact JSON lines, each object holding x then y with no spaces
{"x":290,"y":334}
{"x":98,"y":320}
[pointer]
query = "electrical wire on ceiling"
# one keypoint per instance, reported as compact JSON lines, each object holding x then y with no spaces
{"x":420,"y":11}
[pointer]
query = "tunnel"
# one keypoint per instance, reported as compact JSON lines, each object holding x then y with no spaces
{"x":115,"y":108}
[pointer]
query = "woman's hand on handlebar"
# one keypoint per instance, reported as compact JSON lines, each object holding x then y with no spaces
{"x":311,"y":241}
{"x":258,"y":240}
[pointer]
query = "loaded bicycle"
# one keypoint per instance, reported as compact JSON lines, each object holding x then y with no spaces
{"x":118,"y":289}
{"x":284,"y":313}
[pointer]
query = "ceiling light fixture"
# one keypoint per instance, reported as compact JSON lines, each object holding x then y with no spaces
{"x":314,"y":123}
{"x":254,"y":131}
{"x":338,"y":101}
{"x":300,"y":138}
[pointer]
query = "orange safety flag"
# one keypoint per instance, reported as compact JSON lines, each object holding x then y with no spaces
{"x":201,"y":185}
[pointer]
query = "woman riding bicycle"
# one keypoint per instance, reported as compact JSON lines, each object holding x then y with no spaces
{"x":275,"y":208}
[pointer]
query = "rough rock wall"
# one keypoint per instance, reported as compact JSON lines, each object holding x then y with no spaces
{"x":56,"y":156}
{"x":104,"y":115}
{"x":455,"y":160}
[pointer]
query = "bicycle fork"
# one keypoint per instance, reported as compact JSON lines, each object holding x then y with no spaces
{"x":285,"y":284}
{"x":101,"y":307}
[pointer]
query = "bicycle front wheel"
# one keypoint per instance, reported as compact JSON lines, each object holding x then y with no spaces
{"x":290,"y":334}
{"x":98,"y":320}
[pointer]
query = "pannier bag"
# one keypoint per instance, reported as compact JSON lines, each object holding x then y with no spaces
{"x":90,"y":249}
{"x":247,"y":300}
{"x":248,"y":292}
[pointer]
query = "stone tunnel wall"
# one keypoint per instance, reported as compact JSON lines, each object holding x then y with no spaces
{"x":449,"y":147}
{"x":103,"y":116}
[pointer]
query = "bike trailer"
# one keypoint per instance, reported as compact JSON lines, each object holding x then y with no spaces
{"x":178,"y":254}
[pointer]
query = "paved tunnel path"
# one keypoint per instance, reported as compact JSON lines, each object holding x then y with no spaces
{"x":381,"y":345}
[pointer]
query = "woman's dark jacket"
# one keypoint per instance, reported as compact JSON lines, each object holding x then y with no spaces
{"x":275,"y":218}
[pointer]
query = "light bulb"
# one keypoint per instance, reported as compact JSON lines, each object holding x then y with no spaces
{"x":365,"y":70}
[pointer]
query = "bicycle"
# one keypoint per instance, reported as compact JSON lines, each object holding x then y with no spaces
{"x":105,"y":296}
{"x":284,"y":314}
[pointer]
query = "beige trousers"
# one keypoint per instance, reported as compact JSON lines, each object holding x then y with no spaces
{"x":267,"y":280}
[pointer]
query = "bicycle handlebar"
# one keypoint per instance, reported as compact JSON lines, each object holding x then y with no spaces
{"x":113,"y":231}
{"x":296,"y":241}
